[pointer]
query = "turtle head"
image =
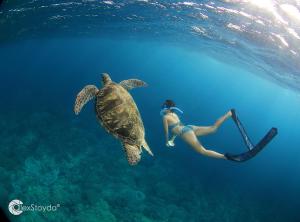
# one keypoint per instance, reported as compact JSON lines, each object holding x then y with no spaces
{"x":105,"y":78}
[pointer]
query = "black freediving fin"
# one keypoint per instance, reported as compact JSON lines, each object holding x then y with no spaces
{"x":242,"y":130}
{"x":252,"y":150}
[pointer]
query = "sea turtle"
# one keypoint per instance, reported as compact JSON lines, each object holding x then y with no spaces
{"x":117,"y":113}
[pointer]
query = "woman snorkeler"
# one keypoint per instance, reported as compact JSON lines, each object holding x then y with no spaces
{"x":189,"y":133}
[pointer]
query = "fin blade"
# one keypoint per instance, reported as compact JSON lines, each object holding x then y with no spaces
{"x":84,"y":96}
{"x":242,"y":130}
{"x":253,"y":152}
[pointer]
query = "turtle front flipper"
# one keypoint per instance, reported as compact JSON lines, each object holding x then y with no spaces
{"x":133,"y":153}
{"x":85,"y":95}
{"x":132,"y":83}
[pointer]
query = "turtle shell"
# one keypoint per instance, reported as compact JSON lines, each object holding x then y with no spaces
{"x":118,"y":114}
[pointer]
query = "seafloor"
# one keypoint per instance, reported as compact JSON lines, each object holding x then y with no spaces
{"x":47,"y":158}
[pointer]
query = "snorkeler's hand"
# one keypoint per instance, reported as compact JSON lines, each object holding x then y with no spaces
{"x":170,"y":143}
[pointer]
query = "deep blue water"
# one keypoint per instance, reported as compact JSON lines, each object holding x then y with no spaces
{"x":50,"y":156}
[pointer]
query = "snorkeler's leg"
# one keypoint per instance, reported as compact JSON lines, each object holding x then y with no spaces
{"x":192,"y":140}
{"x":222,"y":119}
{"x":204,"y":130}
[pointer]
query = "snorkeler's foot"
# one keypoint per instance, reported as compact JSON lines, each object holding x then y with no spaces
{"x":226,"y":156}
{"x":228,"y":114}
{"x":233,"y":114}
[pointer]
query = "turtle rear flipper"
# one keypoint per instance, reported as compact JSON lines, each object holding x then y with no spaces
{"x":133,"y":153}
{"x":132,"y":83}
{"x":147,"y":148}
{"x":85,"y":95}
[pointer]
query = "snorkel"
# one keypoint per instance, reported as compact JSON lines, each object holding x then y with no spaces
{"x":169,"y":105}
{"x":173,"y":108}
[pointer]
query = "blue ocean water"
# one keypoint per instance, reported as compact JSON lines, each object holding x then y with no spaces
{"x":51,"y":156}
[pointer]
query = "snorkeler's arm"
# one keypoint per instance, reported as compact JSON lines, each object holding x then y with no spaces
{"x":173,"y":138}
{"x":165,"y":124}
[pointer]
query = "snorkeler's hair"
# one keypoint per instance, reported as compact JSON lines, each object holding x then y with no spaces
{"x":168,"y":104}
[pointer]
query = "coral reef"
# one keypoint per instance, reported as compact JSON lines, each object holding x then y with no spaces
{"x":85,"y":171}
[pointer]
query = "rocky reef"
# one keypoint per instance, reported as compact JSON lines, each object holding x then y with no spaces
{"x":47,"y":159}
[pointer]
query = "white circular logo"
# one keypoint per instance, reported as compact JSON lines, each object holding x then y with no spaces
{"x":14,"y":207}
